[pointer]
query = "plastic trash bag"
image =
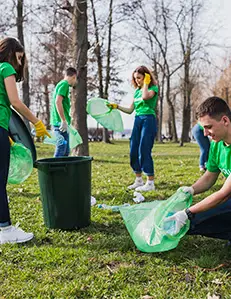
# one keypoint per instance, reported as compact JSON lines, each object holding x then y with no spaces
{"x":109,"y":118}
{"x":146,"y":226}
{"x":21,"y":164}
{"x":74,"y":138}
{"x":53,"y":140}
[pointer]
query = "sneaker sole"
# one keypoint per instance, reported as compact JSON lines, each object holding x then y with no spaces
{"x":137,"y":189}
{"x":17,"y":241}
{"x":133,"y":188}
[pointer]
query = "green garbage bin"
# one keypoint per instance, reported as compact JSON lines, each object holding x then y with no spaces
{"x":65,"y":185}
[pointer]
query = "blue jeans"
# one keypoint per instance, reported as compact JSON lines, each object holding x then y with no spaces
{"x":141,"y":144}
{"x":203,"y":142}
{"x":61,"y":149}
{"x":4,"y":169}
{"x":214,"y":223}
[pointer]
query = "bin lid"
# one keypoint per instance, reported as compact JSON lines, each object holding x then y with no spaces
{"x":19,"y":133}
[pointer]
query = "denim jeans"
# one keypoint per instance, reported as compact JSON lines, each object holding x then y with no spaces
{"x":141,"y":144}
{"x":214,"y":223}
{"x":4,"y":169}
{"x":203,"y":142}
{"x":63,"y":149}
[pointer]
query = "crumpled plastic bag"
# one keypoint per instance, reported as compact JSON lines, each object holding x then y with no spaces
{"x":21,"y":164}
{"x":146,"y":222}
{"x":109,"y":118}
{"x":74,"y":138}
{"x":138,"y":197}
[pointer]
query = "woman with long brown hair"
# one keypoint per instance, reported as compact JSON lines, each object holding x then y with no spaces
{"x":145,"y":127}
{"x":12,"y":60}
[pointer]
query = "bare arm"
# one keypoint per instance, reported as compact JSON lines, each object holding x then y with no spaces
{"x":11,"y":89}
{"x":59,"y":105}
{"x":205,"y":182}
{"x":213,"y":199}
{"x":147,"y":94}
{"x":127,"y":110}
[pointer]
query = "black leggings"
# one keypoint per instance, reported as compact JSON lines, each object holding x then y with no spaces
{"x":4,"y":169}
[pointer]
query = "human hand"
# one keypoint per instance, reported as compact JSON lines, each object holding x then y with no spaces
{"x":187,"y":189}
{"x":113,"y":105}
{"x":63,"y":127}
{"x":11,"y":141}
{"x":180,"y":218}
{"x":147,"y":78}
{"x":41,"y":130}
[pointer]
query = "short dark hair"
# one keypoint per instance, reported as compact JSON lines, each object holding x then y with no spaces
{"x":214,"y":107}
{"x":8,"y":48}
{"x":71,"y":71}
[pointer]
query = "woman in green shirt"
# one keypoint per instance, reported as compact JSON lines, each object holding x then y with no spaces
{"x":12,"y":59}
{"x":145,"y":127}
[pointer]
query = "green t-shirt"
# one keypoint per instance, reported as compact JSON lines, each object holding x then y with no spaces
{"x":144,"y":107}
{"x":62,"y":89}
{"x":219,"y":158}
{"x":6,"y":70}
{"x":201,"y":127}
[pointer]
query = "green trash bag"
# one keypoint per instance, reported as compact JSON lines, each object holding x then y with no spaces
{"x":146,"y":226}
{"x":21,"y":164}
{"x":109,"y":118}
{"x":75,"y":138}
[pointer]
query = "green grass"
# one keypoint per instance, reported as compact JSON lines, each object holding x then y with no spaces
{"x":101,"y":261}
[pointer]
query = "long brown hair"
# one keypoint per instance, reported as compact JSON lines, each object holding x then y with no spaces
{"x":142,"y":70}
{"x":8,"y":48}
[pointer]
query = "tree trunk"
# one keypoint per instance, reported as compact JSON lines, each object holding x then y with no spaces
{"x":106,"y":138}
{"x":47,"y":106}
{"x":186,"y":121}
{"x":80,"y":41}
{"x":171,"y":111}
{"x":25,"y":84}
{"x":160,"y":112}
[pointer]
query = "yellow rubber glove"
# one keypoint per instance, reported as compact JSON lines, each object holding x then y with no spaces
{"x":41,"y":130}
{"x":147,"y":78}
{"x":113,"y":105}
{"x":11,"y":141}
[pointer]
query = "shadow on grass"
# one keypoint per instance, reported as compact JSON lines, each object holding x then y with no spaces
{"x":24,"y":194}
{"x":109,"y":161}
{"x":193,"y":252}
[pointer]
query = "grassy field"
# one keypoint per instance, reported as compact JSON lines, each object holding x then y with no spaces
{"x":101,"y":261}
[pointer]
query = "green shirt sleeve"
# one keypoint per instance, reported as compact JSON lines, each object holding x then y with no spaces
{"x":63,"y":90}
{"x":7,"y":70}
{"x":154,"y":88}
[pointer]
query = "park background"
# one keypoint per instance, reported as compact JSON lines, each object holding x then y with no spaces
{"x":185,"y":43}
{"x":187,"y":46}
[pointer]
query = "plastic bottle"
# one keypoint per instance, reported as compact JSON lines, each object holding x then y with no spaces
{"x":60,"y":140}
{"x":54,"y":140}
{"x":112,"y":208}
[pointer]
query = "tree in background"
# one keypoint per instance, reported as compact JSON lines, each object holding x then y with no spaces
{"x":20,"y":30}
{"x":106,"y":79}
{"x":80,"y":48}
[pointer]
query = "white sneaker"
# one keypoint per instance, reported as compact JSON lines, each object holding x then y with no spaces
{"x":136,"y":184}
{"x":146,"y":187}
{"x":14,"y":234}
